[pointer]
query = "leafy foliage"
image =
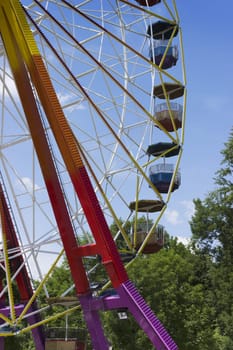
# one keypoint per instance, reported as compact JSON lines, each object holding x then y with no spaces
{"x":213,"y":236}
{"x":168,"y":282}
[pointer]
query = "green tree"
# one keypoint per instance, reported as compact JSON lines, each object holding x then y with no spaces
{"x":212,"y":233}
{"x":168,"y":281}
{"x":211,"y":225}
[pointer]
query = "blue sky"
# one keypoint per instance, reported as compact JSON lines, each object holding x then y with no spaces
{"x":209,"y":65}
{"x":207,"y":35}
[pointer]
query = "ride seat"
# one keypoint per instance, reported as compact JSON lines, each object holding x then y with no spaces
{"x":154,"y":243}
{"x":161,"y":176}
{"x":156,"y":55}
{"x":170,"y":119}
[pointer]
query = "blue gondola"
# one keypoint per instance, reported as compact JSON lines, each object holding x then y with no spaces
{"x":160,"y":33}
{"x":157,"y":51}
{"x":161,"y":176}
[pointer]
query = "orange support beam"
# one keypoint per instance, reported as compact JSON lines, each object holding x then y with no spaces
{"x":23,"y":83}
{"x":67,"y":145}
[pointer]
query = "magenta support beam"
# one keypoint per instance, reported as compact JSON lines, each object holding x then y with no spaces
{"x":92,"y":318}
{"x":126,"y":297}
{"x":145,"y":317}
{"x":37,"y":333}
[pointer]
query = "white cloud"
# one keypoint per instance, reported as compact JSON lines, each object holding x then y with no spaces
{"x":9,"y":84}
{"x":188,"y":208}
{"x":64,"y":98}
{"x":26,"y":183}
{"x":184,"y":240}
{"x":182,"y":215}
{"x":67,"y":101}
{"x":173,"y":217}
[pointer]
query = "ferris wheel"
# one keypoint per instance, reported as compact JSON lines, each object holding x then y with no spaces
{"x":92,"y":127}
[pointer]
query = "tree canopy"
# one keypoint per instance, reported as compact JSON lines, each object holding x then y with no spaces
{"x":212,"y":231}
